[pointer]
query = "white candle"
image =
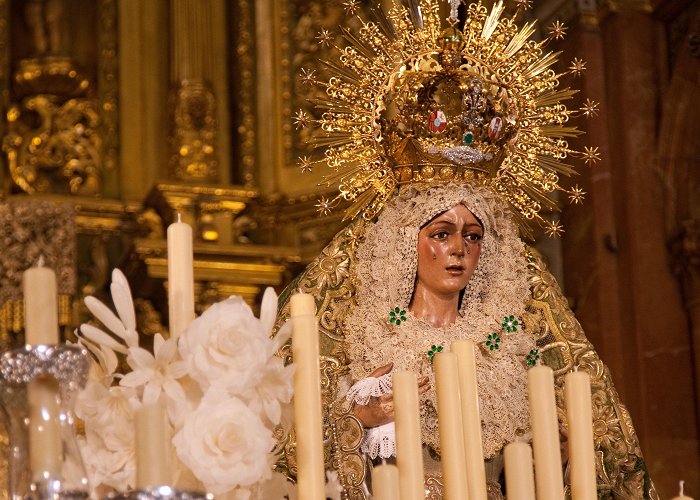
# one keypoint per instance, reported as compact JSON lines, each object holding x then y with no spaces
{"x":41,"y":328}
{"x":180,"y":277}
{"x":579,"y":413}
{"x":520,"y":480}
{"x":308,"y":420}
{"x":471,"y":419}
{"x":385,"y":482}
{"x":40,"y":305}
{"x":681,"y":494}
{"x":449,"y":407}
{"x":545,"y":433}
{"x":409,"y":448}
{"x":152,"y":448}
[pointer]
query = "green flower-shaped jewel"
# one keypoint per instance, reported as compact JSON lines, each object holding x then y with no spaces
{"x":493,"y":341}
{"x":397,"y":315}
{"x":434,"y":349}
{"x":533,"y":357}
{"x":510,"y":323}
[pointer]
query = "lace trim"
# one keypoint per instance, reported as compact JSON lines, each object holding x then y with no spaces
{"x":380,"y":441}
{"x":369,"y":387}
{"x":384,"y":274}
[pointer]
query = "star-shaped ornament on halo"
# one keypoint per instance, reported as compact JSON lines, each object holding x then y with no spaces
{"x":308,"y":76}
{"x":305,"y":165}
{"x":554,"y":229}
{"x":557,"y":30}
{"x":577,"y":66}
{"x":590,"y":108}
{"x":590,"y":155}
{"x":323,"y":206}
{"x":301,"y":119}
{"x":523,"y":4}
{"x":324,"y":37}
{"x":576,"y":195}
{"x":351,"y":7}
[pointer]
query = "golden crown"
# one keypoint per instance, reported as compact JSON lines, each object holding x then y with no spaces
{"x":411,"y":101}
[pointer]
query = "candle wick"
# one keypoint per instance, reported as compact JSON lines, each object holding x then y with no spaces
{"x":40,"y":262}
{"x":681,"y":485}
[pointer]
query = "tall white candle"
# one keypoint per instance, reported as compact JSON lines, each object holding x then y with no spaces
{"x":40,"y":305}
{"x":152,"y":448}
{"x":471,"y":419}
{"x":549,"y":478}
{"x":579,"y":413}
{"x":520,"y":480}
{"x":385,"y":482}
{"x":180,"y":277}
{"x":409,"y":448}
{"x":308,"y":420}
{"x":449,"y":407}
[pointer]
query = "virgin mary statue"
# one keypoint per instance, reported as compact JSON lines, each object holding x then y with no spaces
{"x":447,"y":143}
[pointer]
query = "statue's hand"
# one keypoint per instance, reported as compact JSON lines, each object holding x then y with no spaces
{"x":380,"y":410}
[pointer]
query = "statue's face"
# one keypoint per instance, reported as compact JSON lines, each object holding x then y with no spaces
{"x":449,"y":247}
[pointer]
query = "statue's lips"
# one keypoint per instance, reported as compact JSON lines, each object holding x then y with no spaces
{"x":455,"y":270}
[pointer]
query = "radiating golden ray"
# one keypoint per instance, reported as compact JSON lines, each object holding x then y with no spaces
{"x":519,"y":39}
{"x":551,"y":97}
{"x":492,"y":21}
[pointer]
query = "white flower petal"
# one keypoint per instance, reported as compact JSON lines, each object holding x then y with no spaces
{"x":99,"y":337}
{"x":166,"y":351}
{"x":140,"y":358}
{"x":283,"y":335}
{"x":151,"y":393}
{"x":268,"y":309}
{"x":106,"y":316}
{"x":121,"y":296}
{"x":135,"y":378}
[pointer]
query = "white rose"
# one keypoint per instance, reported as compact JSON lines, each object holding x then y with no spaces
{"x":109,"y":467}
{"x":226,"y":346}
{"x":224,"y":443}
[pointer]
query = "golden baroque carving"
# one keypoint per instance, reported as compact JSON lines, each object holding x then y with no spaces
{"x":193,"y":141}
{"x":54,"y":146}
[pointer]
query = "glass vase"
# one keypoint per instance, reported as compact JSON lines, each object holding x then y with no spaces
{"x":37,"y":389}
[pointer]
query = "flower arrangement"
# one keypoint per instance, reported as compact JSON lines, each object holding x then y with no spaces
{"x":222,"y":386}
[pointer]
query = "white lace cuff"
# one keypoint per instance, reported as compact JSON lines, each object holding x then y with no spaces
{"x":369,"y":387}
{"x":380,"y":441}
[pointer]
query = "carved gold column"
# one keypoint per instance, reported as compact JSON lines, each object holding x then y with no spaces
{"x":194,"y":138}
{"x":270,"y":73}
{"x":143,"y":85}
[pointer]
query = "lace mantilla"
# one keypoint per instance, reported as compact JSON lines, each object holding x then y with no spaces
{"x":384,"y":277}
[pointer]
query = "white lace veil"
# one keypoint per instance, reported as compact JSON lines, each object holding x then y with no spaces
{"x":384,"y":273}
